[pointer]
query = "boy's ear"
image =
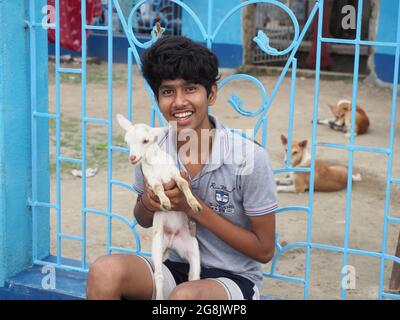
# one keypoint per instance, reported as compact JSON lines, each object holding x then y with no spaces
{"x":124,"y":122}
{"x":212,"y":97}
{"x":284,"y":139}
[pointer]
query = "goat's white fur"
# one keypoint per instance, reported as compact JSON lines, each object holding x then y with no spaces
{"x":170,"y":229}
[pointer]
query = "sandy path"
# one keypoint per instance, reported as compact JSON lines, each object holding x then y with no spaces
{"x":368,"y":200}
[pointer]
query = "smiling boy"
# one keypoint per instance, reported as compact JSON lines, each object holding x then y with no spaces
{"x":235,"y":186}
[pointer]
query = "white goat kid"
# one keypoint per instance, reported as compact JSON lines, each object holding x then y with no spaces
{"x":170,"y":229}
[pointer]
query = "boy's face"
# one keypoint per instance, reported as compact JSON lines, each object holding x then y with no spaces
{"x":186,"y":103}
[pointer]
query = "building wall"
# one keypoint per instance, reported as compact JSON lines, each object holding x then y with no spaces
{"x":228,"y":43}
{"x":387,"y":26}
{"x":15,"y":138}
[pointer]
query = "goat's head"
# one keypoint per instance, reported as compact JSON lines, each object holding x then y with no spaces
{"x":139,"y":137}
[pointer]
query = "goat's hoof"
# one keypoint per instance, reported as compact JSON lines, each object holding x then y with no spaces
{"x":166,"y":206}
{"x":159,"y":296}
{"x":196,"y":207}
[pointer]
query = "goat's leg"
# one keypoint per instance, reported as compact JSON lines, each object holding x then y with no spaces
{"x":183,"y":185}
{"x":165,"y":202}
{"x":188,"y":248}
{"x":157,"y":254}
{"x":194,"y":261}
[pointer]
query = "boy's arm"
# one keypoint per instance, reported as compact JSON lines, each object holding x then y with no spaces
{"x":144,"y":212}
{"x":257,"y":243}
{"x":147,"y":203}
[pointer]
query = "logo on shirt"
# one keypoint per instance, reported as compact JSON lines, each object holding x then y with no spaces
{"x":221,"y":197}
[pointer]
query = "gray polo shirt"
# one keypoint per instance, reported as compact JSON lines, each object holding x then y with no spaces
{"x":236,"y":182}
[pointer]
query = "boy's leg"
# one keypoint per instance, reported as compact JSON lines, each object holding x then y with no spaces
{"x":120,"y":276}
{"x":206,"y":289}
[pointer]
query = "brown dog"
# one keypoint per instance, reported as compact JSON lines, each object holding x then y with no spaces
{"x":327,"y":177}
{"x":342,"y":119}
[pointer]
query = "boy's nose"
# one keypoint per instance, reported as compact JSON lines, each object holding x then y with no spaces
{"x":180,"y":99}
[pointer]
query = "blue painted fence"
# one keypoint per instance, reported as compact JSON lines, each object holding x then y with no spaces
{"x":209,"y":31}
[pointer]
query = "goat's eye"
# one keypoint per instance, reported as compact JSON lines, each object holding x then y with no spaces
{"x":145,"y":141}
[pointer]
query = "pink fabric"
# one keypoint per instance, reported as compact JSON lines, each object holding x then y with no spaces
{"x":70,"y":22}
{"x":97,"y":11}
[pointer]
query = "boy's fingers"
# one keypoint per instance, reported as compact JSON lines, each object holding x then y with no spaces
{"x":169,"y":185}
{"x":184,"y":174}
{"x":153,"y":196}
{"x":154,"y":204}
{"x":173,"y":193}
{"x":150,"y":193}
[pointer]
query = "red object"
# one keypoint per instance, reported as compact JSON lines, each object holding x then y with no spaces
{"x":97,"y":10}
{"x":326,"y":59}
{"x":70,"y":22}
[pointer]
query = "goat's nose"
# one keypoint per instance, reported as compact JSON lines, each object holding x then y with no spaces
{"x":132,"y":158}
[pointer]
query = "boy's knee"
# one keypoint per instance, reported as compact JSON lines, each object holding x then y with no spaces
{"x":104,"y":277}
{"x":184,"y":292}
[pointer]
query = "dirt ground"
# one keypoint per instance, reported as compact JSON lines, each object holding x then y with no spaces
{"x":328,"y":219}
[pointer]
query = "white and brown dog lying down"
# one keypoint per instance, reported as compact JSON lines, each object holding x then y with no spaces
{"x":326,"y":178}
{"x":342,"y":119}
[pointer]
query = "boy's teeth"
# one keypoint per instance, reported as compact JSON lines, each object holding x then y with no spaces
{"x":183,"y":115}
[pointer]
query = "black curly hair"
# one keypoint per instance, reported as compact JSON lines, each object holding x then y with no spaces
{"x":173,"y":57}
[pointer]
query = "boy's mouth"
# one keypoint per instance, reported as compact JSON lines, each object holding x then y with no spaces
{"x":183,"y":118}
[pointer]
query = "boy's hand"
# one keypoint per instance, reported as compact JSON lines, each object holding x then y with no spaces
{"x":150,"y":199}
{"x":175,"y":195}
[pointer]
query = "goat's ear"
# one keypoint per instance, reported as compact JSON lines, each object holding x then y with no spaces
{"x":303,"y":144}
{"x":157,"y":132}
{"x":124,"y":122}
{"x":284,"y":139}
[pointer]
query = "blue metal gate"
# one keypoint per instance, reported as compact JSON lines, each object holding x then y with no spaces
{"x":209,"y":33}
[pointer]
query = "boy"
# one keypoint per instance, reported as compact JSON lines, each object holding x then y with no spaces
{"x":236,"y":227}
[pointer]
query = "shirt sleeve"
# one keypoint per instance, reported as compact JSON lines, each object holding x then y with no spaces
{"x":258,"y":184}
{"x":138,"y":184}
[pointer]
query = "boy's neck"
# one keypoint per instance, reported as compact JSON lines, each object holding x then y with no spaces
{"x":203,"y":149}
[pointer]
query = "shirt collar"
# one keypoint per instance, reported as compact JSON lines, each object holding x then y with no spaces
{"x":220,"y":149}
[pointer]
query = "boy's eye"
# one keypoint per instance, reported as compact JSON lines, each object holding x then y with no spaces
{"x":166,"y":92}
{"x":191,"y":89}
